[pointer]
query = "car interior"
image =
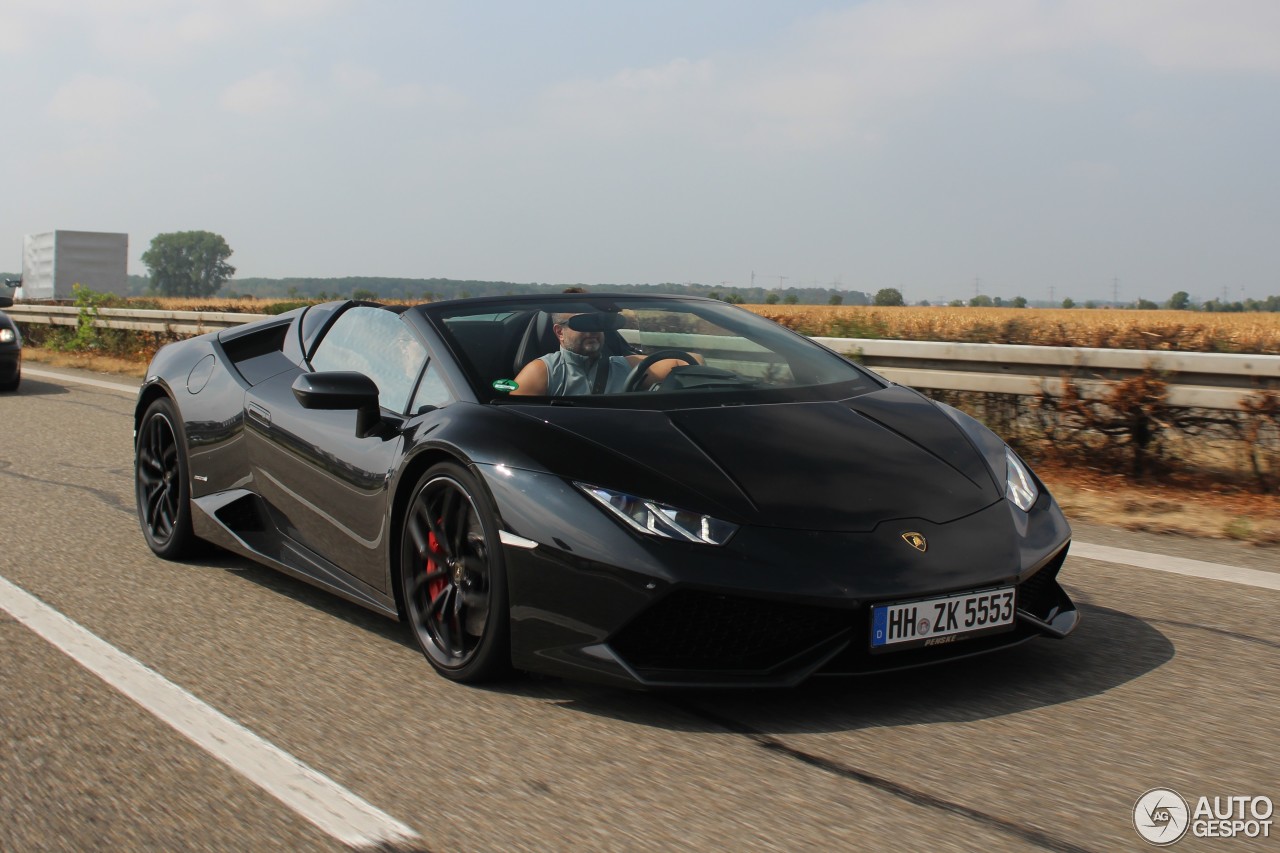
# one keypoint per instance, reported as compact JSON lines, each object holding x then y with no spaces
{"x":499,"y":347}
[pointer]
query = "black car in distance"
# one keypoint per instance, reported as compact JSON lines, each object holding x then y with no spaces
{"x":10,"y":348}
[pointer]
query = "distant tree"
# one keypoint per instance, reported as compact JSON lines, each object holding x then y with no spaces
{"x":1222,"y":306}
{"x":889,"y":296}
{"x":923,"y":303}
{"x":1180,"y":301}
{"x":1019,"y":302}
{"x":734,"y":299}
{"x":836,"y":299}
{"x":1068,"y":303}
{"x":997,"y":301}
{"x":362,"y":295}
{"x":188,"y":263}
{"x":981,"y":301}
{"x":1092,"y":303}
{"x":1147,"y":305}
{"x":790,"y":299}
{"x":956,"y":303}
{"x":771,"y":299}
{"x":715,"y":294}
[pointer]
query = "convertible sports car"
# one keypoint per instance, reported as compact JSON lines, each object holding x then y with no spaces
{"x":10,"y":349}
{"x":732,"y":504}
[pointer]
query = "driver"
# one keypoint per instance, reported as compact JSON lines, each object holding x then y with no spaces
{"x":576,"y":367}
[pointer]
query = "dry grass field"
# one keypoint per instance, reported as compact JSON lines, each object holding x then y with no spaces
{"x":1191,"y":331}
{"x":245,"y":305}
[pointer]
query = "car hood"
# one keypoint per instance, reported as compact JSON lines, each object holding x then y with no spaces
{"x":833,"y":465}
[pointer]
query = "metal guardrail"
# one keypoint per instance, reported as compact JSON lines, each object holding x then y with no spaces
{"x":1202,"y":380}
{"x":136,"y":319}
{"x":1197,"y":380}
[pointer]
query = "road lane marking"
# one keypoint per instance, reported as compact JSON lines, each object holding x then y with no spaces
{"x":83,"y":380}
{"x":333,"y":809}
{"x":1176,"y":565}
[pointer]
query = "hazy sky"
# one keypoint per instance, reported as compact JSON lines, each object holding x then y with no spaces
{"x":919,"y":144}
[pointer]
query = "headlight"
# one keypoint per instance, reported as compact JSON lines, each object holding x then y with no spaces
{"x":661,"y":520}
{"x":1020,"y":488}
{"x":7,"y":336}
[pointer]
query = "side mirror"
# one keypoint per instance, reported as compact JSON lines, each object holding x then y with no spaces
{"x":341,"y":390}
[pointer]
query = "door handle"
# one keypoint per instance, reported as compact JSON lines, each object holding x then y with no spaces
{"x":259,"y":414}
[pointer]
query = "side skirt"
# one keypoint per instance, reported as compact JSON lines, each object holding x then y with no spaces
{"x":235,"y":520}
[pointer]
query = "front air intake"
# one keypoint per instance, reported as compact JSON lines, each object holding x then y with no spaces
{"x":697,"y":631}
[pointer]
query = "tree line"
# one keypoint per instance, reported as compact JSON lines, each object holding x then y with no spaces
{"x":194,"y":263}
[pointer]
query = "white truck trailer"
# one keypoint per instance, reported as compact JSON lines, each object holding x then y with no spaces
{"x":54,"y":262}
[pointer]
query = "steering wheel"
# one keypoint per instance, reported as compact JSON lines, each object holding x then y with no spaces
{"x":637,"y":374}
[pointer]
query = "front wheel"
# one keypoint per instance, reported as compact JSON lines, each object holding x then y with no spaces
{"x":453,"y":578}
{"x":162,"y":484}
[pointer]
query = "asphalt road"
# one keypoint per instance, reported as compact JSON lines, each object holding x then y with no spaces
{"x":1171,"y":681}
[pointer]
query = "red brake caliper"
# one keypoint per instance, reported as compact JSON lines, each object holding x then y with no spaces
{"x":437,"y":585}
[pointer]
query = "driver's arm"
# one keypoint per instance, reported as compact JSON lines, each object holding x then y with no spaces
{"x":532,"y":379}
{"x":659,"y":369}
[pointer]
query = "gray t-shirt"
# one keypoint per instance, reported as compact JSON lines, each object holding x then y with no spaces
{"x":570,"y":374}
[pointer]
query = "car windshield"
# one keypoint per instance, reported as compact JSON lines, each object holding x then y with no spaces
{"x":598,"y":350}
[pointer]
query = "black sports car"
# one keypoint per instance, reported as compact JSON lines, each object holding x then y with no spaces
{"x":10,"y":349}
{"x":678,"y":492}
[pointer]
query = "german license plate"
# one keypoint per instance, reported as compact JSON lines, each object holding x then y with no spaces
{"x":935,"y":621}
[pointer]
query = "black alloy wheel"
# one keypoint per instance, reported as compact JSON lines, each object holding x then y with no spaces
{"x":453,"y":579}
{"x":162,"y":485}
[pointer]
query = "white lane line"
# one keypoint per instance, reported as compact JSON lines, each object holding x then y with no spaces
{"x":83,"y":380}
{"x":1176,"y":565}
{"x":335,"y":810}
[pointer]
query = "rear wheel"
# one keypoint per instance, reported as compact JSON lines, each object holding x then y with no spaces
{"x":453,"y":578}
{"x":162,"y":482}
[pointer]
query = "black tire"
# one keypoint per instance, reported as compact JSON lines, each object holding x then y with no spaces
{"x":162,"y":482}
{"x":13,"y":384}
{"x":453,"y":579}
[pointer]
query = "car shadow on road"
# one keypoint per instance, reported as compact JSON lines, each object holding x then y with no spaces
{"x":1109,"y":649}
{"x":305,"y":593}
{"x":35,"y":388}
